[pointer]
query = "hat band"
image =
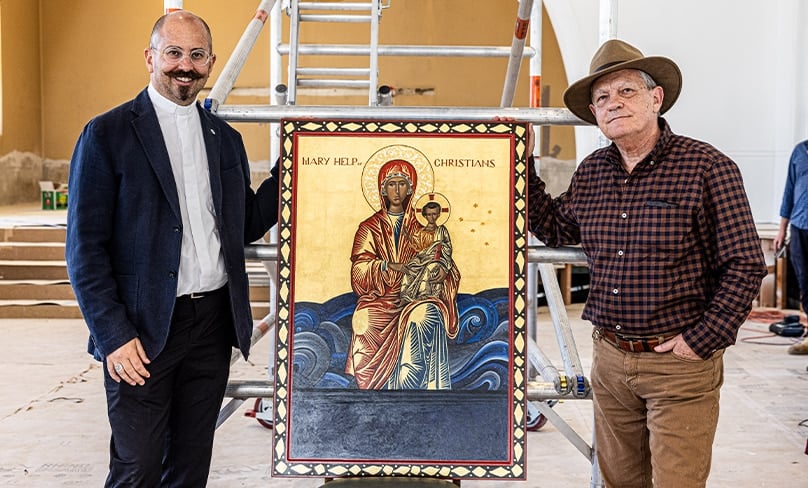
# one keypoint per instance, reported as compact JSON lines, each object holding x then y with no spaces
{"x":609,"y":65}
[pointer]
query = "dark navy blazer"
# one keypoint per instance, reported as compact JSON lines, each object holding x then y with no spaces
{"x":124,"y":228}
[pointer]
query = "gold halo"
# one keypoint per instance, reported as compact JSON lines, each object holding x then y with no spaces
{"x":370,"y":173}
{"x":433,"y":197}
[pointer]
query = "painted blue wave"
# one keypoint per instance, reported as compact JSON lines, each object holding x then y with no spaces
{"x":486,"y":370}
{"x":479,"y":355}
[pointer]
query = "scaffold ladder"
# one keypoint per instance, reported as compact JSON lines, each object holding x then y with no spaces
{"x":333,"y":77}
{"x":549,"y":383}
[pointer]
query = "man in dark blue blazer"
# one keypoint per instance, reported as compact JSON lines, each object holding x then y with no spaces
{"x":160,"y":210}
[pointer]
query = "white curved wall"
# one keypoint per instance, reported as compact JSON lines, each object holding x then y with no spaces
{"x":745,"y":69}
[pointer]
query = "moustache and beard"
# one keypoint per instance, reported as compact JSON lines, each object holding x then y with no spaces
{"x":186,"y":92}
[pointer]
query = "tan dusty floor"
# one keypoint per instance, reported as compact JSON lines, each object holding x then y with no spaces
{"x":53,"y":429}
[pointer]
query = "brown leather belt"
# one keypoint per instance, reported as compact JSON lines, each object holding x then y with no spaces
{"x":632,"y":344}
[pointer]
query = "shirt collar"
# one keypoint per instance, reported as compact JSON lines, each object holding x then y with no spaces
{"x":656,"y":154}
{"x":165,"y":105}
{"x":665,"y":135}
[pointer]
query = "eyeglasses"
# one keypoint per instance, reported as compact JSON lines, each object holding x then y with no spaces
{"x":174,"y":55}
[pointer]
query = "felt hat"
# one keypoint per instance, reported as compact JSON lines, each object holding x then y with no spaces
{"x":615,"y":55}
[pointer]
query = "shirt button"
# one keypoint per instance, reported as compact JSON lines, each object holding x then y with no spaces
{"x":620,"y":252}
{"x":171,"y":274}
{"x":618,"y":327}
{"x":176,"y":229}
{"x":651,"y":163}
{"x":624,"y":215}
{"x":615,"y":291}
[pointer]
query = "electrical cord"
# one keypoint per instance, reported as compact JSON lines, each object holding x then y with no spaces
{"x":767,"y":317}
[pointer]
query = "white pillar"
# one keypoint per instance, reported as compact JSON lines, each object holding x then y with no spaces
{"x":607,"y":30}
{"x":172,"y":5}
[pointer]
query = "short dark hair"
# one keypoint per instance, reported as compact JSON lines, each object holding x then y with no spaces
{"x":430,"y":205}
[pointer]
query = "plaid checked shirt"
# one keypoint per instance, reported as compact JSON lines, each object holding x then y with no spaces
{"x":670,"y":246}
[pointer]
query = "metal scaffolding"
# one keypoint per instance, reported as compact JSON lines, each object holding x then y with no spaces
{"x":549,"y":384}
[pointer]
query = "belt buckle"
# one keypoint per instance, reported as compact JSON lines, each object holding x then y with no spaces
{"x":196,"y":295}
{"x":628,"y":341}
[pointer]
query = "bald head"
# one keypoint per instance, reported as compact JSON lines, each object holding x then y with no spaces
{"x":178,"y":16}
{"x":180,"y":56}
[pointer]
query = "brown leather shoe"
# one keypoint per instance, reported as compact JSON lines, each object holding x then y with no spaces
{"x":799,"y":348}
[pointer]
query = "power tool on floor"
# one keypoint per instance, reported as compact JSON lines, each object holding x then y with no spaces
{"x":789,"y":327}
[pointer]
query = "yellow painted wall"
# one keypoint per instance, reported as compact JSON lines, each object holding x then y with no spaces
{"x":20,"y":57}
{"x":92,"y":60}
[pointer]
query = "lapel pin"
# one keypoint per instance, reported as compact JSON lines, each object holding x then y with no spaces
{"x":213,"y":132}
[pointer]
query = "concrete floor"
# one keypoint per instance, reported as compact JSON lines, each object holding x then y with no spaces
{"x":53,"y":428}
{"x":54,"y":433}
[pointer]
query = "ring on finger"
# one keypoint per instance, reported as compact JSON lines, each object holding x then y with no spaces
{"x":118,"y":367}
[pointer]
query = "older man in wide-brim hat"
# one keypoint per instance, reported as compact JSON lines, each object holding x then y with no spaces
{"x":615,"y":55}
{"x":674,"y":261}
{"x":612,"y":96}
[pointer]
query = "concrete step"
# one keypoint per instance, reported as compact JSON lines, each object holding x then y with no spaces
{"x":61,"y":290}
{"x":33,"y":270}
{"x":38,"y":309}
{"x":34,"y":283}
{"x":54,"y":233}
{"x":55,"y":299}
{"x":32,"y":251}
{"x":36,"y":290}
{"x":33,"y":273}
{"x":50,"y":270}
{"x":69,"y":309}
{"x":259,"y":293}
{"x":13,"y":269}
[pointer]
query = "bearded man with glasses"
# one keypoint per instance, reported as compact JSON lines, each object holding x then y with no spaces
{"x":160,"y":210}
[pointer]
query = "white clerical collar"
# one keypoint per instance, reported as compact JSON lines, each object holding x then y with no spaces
{"x":166,"y":105}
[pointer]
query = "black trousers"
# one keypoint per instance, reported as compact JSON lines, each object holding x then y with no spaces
{"x":162,"y":432}
{"x":798,"y":254}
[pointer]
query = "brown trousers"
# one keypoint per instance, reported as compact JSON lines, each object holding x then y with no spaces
{"x":655,"y":417}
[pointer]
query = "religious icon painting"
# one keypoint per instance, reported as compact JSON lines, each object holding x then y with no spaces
{"x":401,"y":334}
